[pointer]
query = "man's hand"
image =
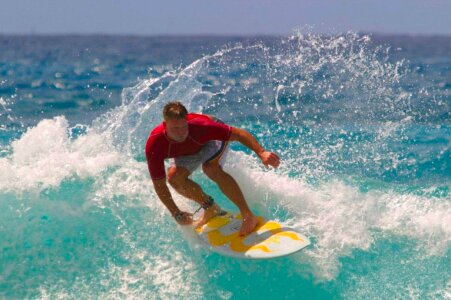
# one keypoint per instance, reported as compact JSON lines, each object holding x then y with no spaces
{"x":269,"y":159}
{"x":184,"y":218}
{"x":244,"y":137}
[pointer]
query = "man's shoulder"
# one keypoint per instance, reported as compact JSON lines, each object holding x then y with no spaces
{"x":157,"y":129}
{"x":198,"y":118}
{"x":156,"y":136}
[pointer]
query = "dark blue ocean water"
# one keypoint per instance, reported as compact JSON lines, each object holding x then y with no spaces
{"x":362,"y":124}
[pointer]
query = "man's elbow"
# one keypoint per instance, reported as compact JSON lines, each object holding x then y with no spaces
{"x":159,"y":183}
{"x":236,"y":134}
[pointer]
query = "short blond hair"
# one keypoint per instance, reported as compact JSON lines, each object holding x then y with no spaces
{"x":174,"y":110}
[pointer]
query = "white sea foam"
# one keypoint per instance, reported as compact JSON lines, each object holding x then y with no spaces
{"x":160,"y":276}
{"x":338,"y":217}
{"x":45,"y":155}
{"x":341,"y":219}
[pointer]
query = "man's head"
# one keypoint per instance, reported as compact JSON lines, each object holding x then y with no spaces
{"x":174,"y":114}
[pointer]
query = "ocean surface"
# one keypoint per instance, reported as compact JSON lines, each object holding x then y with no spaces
{"x":361,"y":122}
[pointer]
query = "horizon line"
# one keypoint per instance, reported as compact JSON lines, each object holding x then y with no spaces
{"x":220,"y":35}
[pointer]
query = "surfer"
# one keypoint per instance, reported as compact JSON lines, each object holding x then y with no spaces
{"x":190,"y":140}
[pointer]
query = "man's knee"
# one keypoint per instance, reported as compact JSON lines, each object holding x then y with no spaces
{"x":177,"y":176}
{"x":213,"y":171}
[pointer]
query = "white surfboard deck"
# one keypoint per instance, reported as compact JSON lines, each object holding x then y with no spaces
{"x":268,"y":240}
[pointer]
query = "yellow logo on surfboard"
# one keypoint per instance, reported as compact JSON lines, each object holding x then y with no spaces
{"x":269,"y":239}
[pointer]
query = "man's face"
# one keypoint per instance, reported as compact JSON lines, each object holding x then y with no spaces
{"x":177,"y":130}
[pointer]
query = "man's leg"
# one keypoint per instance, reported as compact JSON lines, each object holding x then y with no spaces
{"x":178,"y":179}
{"x":231,"y":189}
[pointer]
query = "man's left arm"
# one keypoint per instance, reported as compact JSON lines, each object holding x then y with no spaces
{"x":248,"y":140}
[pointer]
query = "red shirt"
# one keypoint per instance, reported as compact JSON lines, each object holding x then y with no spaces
{"x":201,"y":129}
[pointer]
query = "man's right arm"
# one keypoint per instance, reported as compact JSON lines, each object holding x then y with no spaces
{"x":162,"y":190}
{"x":155,"y":164}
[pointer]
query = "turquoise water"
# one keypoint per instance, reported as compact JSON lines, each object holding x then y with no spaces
{"x":361,"y":123}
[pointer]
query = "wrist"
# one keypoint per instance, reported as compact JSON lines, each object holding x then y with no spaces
{"x":260,"y":151}
{"x":175,"y":212}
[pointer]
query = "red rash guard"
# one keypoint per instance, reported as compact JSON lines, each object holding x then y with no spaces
{"x":201,"y":130}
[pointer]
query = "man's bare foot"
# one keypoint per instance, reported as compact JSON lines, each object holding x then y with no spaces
{"x":208,"y":214}
{"x":249,"y":223}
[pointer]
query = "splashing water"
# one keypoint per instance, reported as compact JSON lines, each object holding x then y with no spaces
{"x":364,"y":143}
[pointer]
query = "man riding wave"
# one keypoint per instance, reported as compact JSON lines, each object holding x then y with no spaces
{"x":190,"y":140}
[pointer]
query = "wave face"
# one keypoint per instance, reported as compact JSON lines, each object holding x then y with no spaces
{"x":362,"y":125}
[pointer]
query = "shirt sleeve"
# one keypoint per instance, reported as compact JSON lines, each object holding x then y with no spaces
{"x":155,"y":161}
{"x":156,"y":168}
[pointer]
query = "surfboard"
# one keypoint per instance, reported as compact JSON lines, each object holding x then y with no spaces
{"x":268,"y":240}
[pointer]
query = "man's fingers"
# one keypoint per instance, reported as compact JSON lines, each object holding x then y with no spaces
{"x":187,"y":219}
{"x":274,"y":160}
{"x":270,"y":159}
